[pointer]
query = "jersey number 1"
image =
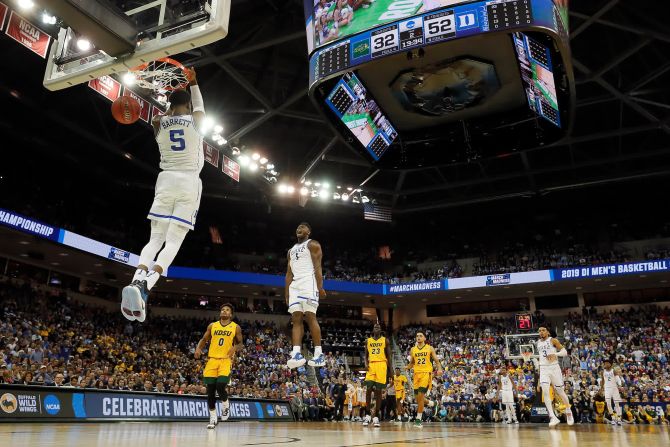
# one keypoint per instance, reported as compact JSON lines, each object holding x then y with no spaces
{"x":177,"y":136}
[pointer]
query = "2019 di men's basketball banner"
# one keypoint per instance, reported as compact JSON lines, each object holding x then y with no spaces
{"x":49,"y":403}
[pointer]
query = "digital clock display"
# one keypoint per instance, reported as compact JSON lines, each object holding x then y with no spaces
{"x":524,"y":322}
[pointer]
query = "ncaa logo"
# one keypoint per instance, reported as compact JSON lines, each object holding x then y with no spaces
{"x":281,"y":411}
{"x":8,"y":403}
{"x":270,"y":410}
{"x":52,"y":404}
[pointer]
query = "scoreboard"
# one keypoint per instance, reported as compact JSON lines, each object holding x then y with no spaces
{"x":524,"y":321}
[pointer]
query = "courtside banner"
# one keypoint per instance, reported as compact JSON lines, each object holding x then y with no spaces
{"x":30,"y":226}
{"x":41,"y":403}
{"x":414,"y":287}
{"x":499,"y":280}
{"x":27,"y":34}
{"x":601,"y":271}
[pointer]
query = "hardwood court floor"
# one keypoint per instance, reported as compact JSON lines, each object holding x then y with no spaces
{"x":326,"y":434}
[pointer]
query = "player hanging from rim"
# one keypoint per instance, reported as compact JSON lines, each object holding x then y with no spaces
{"x":399,"y":381}
{"x":549,"y":350}
{"x":225,"y":340}
{"x":507,"y":390}
{"x":422,"y":356}
{"x":177,"y":194}
{"x":304,"y":288}
{"x":377,"y":364}
{"x":610,"y":384}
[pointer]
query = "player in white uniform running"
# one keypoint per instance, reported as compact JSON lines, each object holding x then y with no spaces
{"x":611,"y":381}
{"x":507,"y":389}
{"x":549,"y":350}
{"x":304,"y":288}
{"x":177,"y":194}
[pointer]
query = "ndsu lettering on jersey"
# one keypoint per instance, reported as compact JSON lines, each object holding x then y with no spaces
{"x":223,"y":333}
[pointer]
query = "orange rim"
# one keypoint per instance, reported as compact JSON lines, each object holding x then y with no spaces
{"x":166,"y":60}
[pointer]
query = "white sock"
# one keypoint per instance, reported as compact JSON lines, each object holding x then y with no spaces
{"x":139,"y":275}
{"x":419,"y":416}
{"x":317,"y":351}
{"x":296,"y":350}
{"x":152,"y":278}
{"x":399,"y":418}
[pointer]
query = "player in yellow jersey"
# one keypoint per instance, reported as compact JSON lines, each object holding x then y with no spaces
{"x":399,"y":381}
{"x":421,"y":361}
{"x":225,"y":339}
{"x":378,"y":364}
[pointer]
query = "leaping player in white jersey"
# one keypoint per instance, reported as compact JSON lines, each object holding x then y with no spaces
{"x":507,"y":389}
{"x":549,"y":350}
{"x":304,"y":288}
{"x":177,"y":194}
{"x":610,"y":383}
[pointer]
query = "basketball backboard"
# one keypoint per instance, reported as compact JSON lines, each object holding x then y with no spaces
{"x":165,"y":27}
{"x":515,"y":344}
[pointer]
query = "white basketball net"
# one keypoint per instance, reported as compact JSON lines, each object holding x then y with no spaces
{"x":526,"y":355}
{"x":161,"y":76}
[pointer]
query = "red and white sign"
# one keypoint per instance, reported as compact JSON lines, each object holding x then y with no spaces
{"x":145,"y":106}
{"x":231,"y":168}
{"x":107,"y":87}
{"x":3,"y":14}
{"x":211,"y":154}
{"x":27,"y":34}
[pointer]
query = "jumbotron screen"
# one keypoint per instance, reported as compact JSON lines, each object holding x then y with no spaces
{"x":357,"y":110}
{"x":330,"y":20}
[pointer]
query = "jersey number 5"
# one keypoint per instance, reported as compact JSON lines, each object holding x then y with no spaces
{"x":177,"y":136}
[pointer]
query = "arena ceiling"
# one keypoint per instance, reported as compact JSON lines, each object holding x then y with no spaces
{"x":256,"y":79}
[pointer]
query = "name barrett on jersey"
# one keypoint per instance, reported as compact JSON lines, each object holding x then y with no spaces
{"x":175,"y":121}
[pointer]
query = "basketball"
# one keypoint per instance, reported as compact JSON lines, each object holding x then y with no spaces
{"x":126,"y":110}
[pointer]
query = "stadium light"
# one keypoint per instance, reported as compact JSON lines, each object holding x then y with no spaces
{"x":83,"y":44}
{"x":365,"y":199}
{"x":317,"y":184}
{"x":336,"y":196}
{"x":290,"y":189}
{"x":48,"y":18}
{"x":244,"y":160}
{"x":304,"y":191}
{"x":345,"y":197}
{"x":323,"y":194}
{"x":207,"y":124}
{"x":282,"y":189}
{"x":325,"y":185}
{"x":263,"y":160}
{"x":222,"y":141}
{"x":235,"y":151}
{"x":253,"y":167}
{"x":308,"y":183}
{"x":255,"y":156}
{"x":270,"y":166}
{"x":218,"y":128}
{"x":355,"y":200}
{"x":26,"y":4}
{"x":129,"y":79}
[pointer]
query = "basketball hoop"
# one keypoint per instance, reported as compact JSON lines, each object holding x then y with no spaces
{"x":162,"y":75}
{"x":526,"y":355}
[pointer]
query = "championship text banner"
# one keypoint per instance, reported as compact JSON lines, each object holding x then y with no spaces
{"x":3,"y":15}
{"x":231,"y":168}
{"x":211,"y":154}
{"x":600,"y":271}
{"x":30,"y":226}
{"x":27,"y":34}
{"x":39,"y":403}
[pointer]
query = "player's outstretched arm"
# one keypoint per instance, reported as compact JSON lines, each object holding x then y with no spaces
{"x":238,"y":344}
{"x":196,"y":99}
{"x":207,"y":336}
{"x":317,"y":255}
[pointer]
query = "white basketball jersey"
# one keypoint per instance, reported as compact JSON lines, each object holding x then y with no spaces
{"x":180,"y":144}
{"x":506,"y":383}
{"x":546,"y":348}
{"x":610,"y":379}
{"x":300,"y":260}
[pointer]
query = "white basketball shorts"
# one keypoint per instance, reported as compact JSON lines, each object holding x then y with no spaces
{"x":303,"y":295}
{"x":177,"y":198}
{"x":507,"y":397}
{"x":612,"y":393}
{"x":551,"y":374}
